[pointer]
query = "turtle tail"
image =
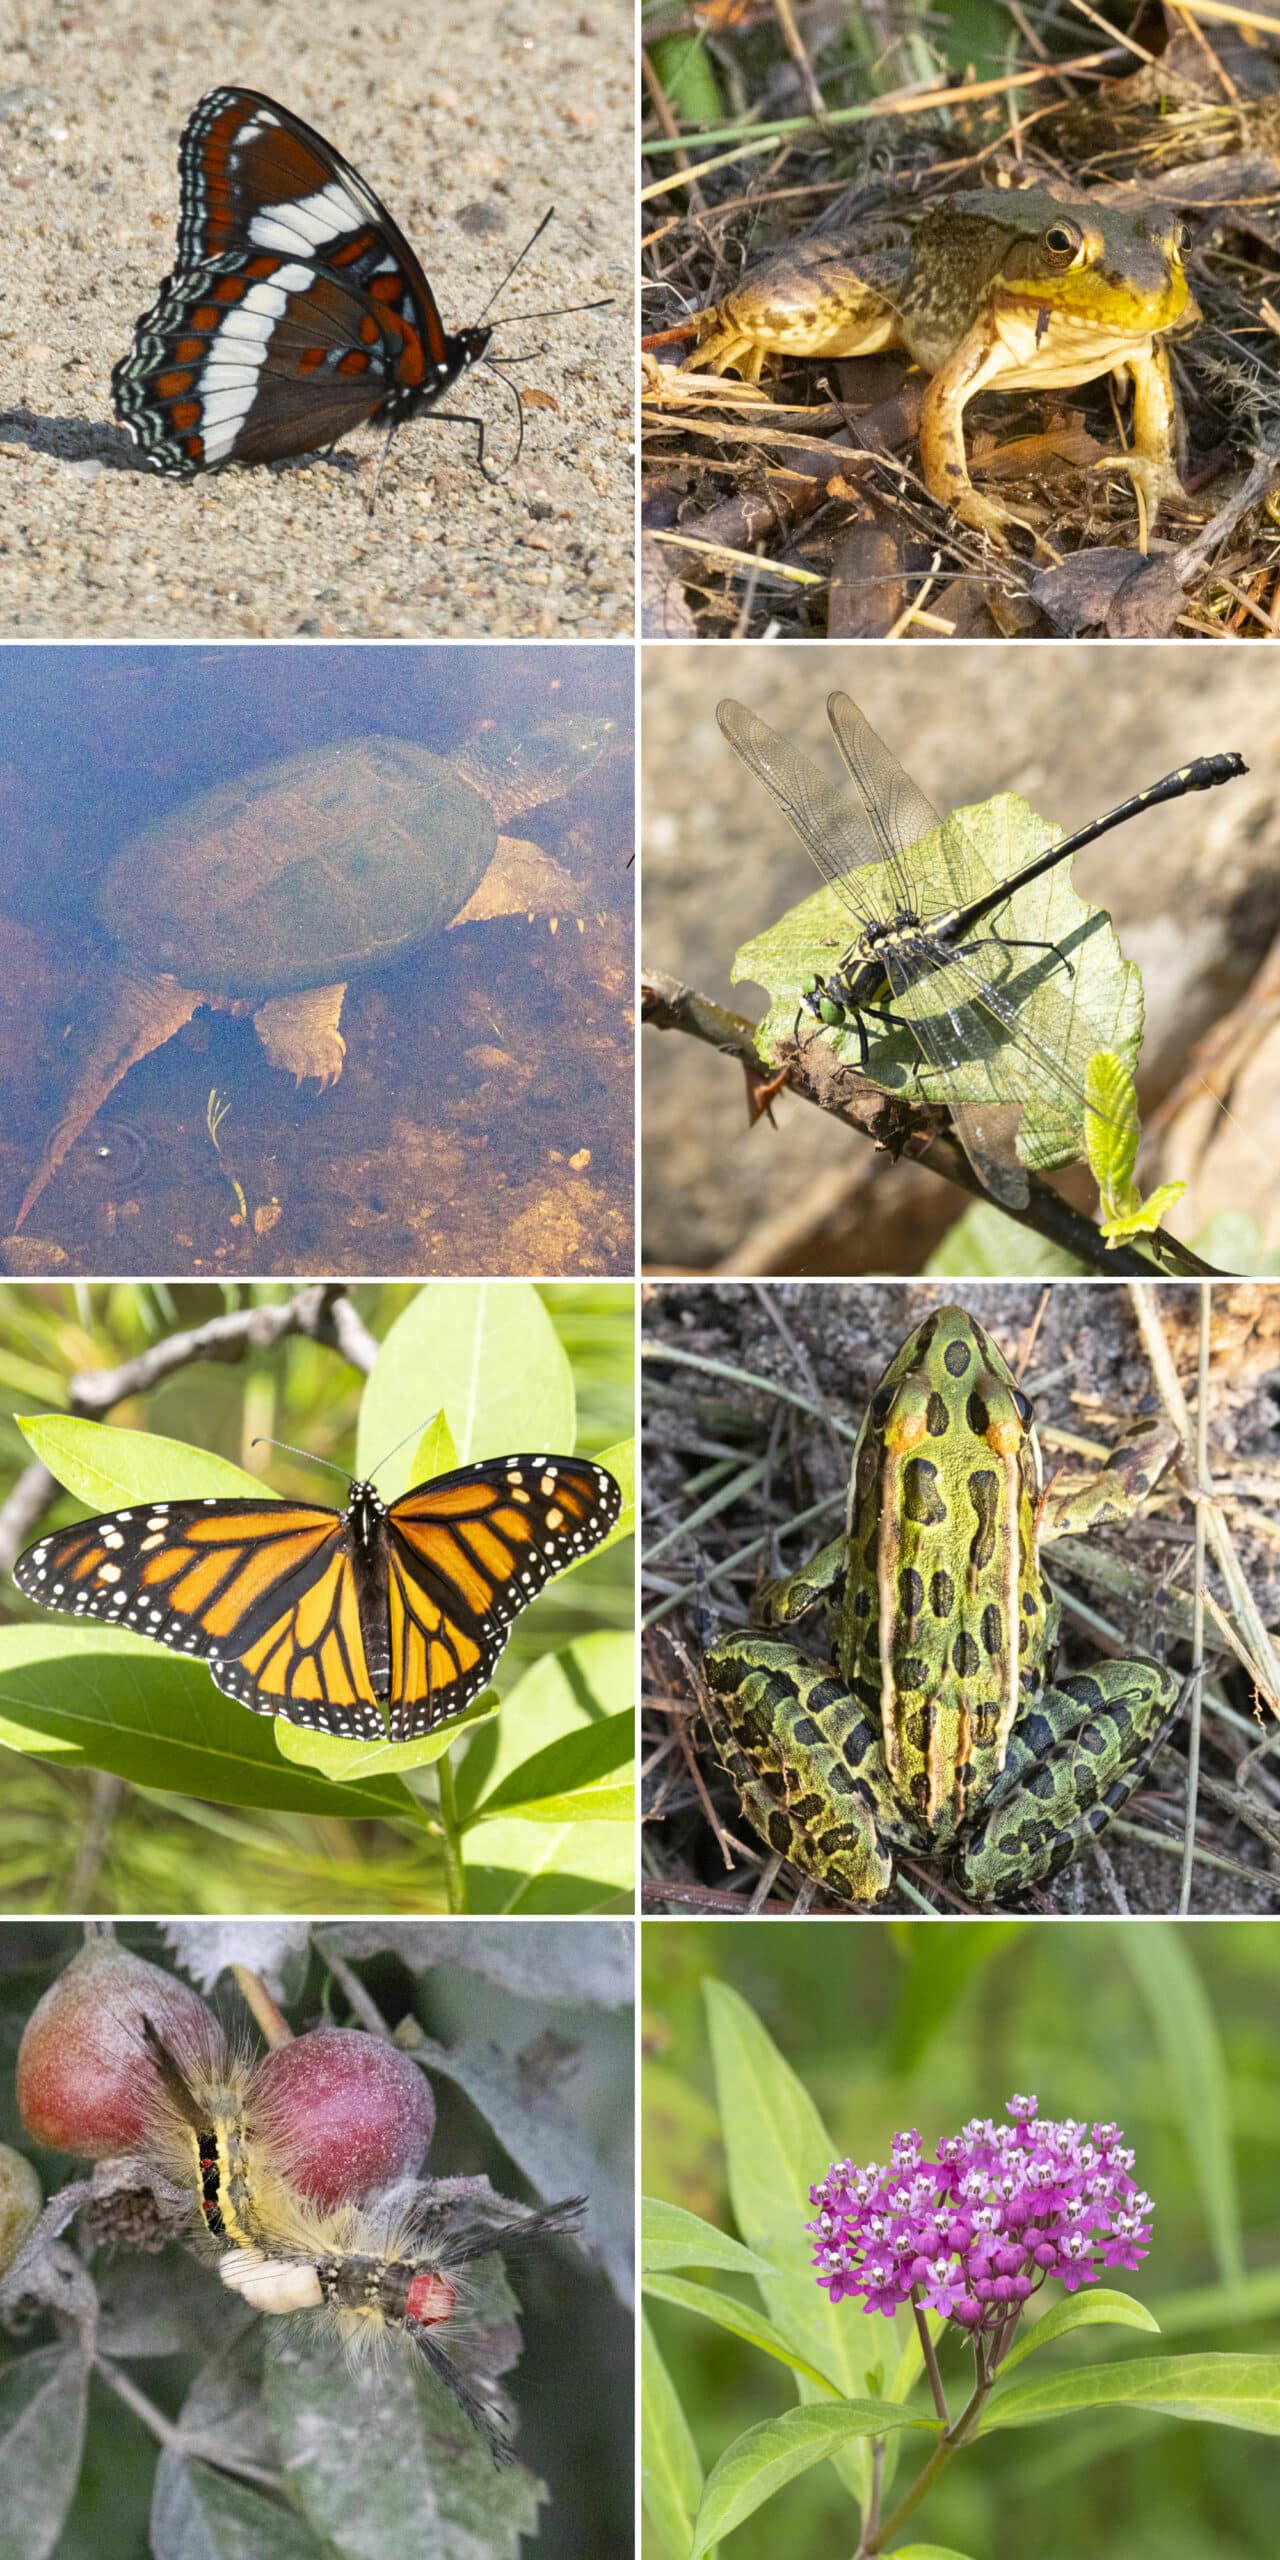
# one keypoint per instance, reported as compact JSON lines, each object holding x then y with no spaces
{"x":132,"y":1016}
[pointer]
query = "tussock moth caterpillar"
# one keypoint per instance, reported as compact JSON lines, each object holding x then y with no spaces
{"x":379,"y":2270}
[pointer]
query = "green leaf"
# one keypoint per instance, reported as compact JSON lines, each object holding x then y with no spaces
{"x":670,"y":2472}
{"x":101,"y":1698}
{"x":763,"y":2460}
{"x":688,"y":77}
{"x":353,"y":1761}
{"x":740,"y":2320}
{"x":1112,"y":1132}
{"x":108,"y":1469}
{"x":575,"y":1766}
{"x":43,"y":2405}
{"x":984,"y":1244}
{"x":1070,"y":1018}
{"x":1197,"y":2076}
{"x":196,"y":2508}
{"x":1092,"y":2307}
{"x":776,"y":2145}
{"x":1226,"y":2391}
{"x":671,"y":2237}
{"x":928,"y":2551}
{"x":514,"y":1864}
{"x":484,"y":1352}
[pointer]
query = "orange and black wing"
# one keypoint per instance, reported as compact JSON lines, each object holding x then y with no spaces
{"x":464,"y":1556}
{"x":264,"y":1592}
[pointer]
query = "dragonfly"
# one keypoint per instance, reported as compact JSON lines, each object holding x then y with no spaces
{"x":935,"y":973}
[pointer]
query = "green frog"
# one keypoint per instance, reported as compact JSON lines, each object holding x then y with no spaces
{"x":935,"y":1730}
{"x":1020,"y":291}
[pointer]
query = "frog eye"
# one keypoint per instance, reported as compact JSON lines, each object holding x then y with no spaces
{"x":1063,"y":241}
{"x":1181,"y":238}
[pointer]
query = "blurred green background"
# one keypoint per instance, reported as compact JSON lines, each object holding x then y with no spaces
{"x":1172,"y":2031}
{"x":76,"y":1839}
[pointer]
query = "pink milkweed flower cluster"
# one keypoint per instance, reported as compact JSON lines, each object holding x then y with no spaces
{"x":975,"y":2232}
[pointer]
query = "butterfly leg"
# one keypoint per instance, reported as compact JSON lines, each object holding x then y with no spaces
{"x":300,"y":1033}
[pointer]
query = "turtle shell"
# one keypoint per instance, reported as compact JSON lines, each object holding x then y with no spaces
{"x":299,"y":873}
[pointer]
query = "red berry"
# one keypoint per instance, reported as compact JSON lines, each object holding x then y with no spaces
{"x":343,"y":2112}
{"x":84,"y":2080}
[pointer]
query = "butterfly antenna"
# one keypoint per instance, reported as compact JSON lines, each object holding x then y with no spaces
{"x":415,"y":1434}
{"x":263,"y":1440}
{"x":518,"y":261}
{"x":563,"y":311}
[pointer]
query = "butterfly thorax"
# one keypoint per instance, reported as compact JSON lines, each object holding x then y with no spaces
{"x":365,"y":1516}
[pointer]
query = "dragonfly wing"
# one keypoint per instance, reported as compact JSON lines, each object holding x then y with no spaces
{"x":897,"y":812}
{"x":974,"y":1034}
{"x":831,"y":821}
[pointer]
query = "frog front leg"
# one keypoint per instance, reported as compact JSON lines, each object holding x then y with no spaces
{"x":1074,"y":1759}
{"x":978,"y":361}
{"x":805,"y":1760}
{"x":1153,"y":462}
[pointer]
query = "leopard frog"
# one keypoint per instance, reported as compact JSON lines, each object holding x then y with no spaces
{"x":1011,"y":290}
{"x":935,"y":1729}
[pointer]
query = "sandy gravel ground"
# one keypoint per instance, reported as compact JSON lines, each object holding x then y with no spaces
{"x":1192,"y":888}
{"x":469,"y":117}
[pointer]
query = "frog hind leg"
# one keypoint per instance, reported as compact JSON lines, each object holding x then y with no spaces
{"x":300,"y":1033}
{"x":804,"y":1759}
{"x":1073,"y":1761}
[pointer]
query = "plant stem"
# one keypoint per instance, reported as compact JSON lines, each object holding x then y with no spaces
{"x":933,"y":2469}
{"x":930,"y":2359}
{"x":455,"y":1874}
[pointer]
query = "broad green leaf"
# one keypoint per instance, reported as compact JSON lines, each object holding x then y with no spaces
{"x":486,"y":1353}
{"x":108,"y":1469}
{"x":1069,"y":1017}
{"x":43,"y":2404}
{"x":670,"y":2472}
{"x":740,"y":2320}
{"x":1090,"y":2308}
{"x":196,"y":2508}
{"x":1220,"y":2390}
{"x":984,"y":1244}
{"x":436,"y":1453}
{"x":688,"y":77}
{"x":100,"y":1698}
{"x":671,"y":2237}
{"x":535,"y":1868}
{"x":1196,"y":2070}
{"x":1112,"y":1128}
{"x":583,"y":1685}
{"x":776,"y":2147}
{"x":352,"y":1761}
{"x":577,"y":1764}
{"x":928,"y":2551}
{"x":764,"y":2459}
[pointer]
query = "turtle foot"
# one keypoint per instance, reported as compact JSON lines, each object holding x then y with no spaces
{"x":521,"y":880}
{"x":300,"y":1033}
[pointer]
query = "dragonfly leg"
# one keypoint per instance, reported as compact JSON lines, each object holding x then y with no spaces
{"x":1011,"y":942}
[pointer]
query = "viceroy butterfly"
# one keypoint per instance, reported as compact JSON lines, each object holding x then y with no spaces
{"x":326,"y":1617}
{"x":296,"y":309}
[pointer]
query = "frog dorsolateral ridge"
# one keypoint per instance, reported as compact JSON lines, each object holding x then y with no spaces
{"x":935,"y":1728}
{"x":1004,"y":290}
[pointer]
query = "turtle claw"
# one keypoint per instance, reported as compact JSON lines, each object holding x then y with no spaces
{"x":299,"y":1033}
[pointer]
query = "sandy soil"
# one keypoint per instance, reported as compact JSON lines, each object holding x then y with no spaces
{"x":1192,"y":887}
{"x":468,"y":117}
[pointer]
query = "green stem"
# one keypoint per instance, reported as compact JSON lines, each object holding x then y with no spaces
{"x":933,"y":2469}
{"x":455,"y":1874}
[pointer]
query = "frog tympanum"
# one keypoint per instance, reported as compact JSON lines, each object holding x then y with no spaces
{"x":935,"y":1730}
{"x":1012,"y":290}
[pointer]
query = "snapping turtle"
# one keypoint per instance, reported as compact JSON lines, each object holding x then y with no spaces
{"x":266,"y":894}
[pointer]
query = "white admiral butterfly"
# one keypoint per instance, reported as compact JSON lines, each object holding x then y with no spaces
{"x":296,"y":309}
